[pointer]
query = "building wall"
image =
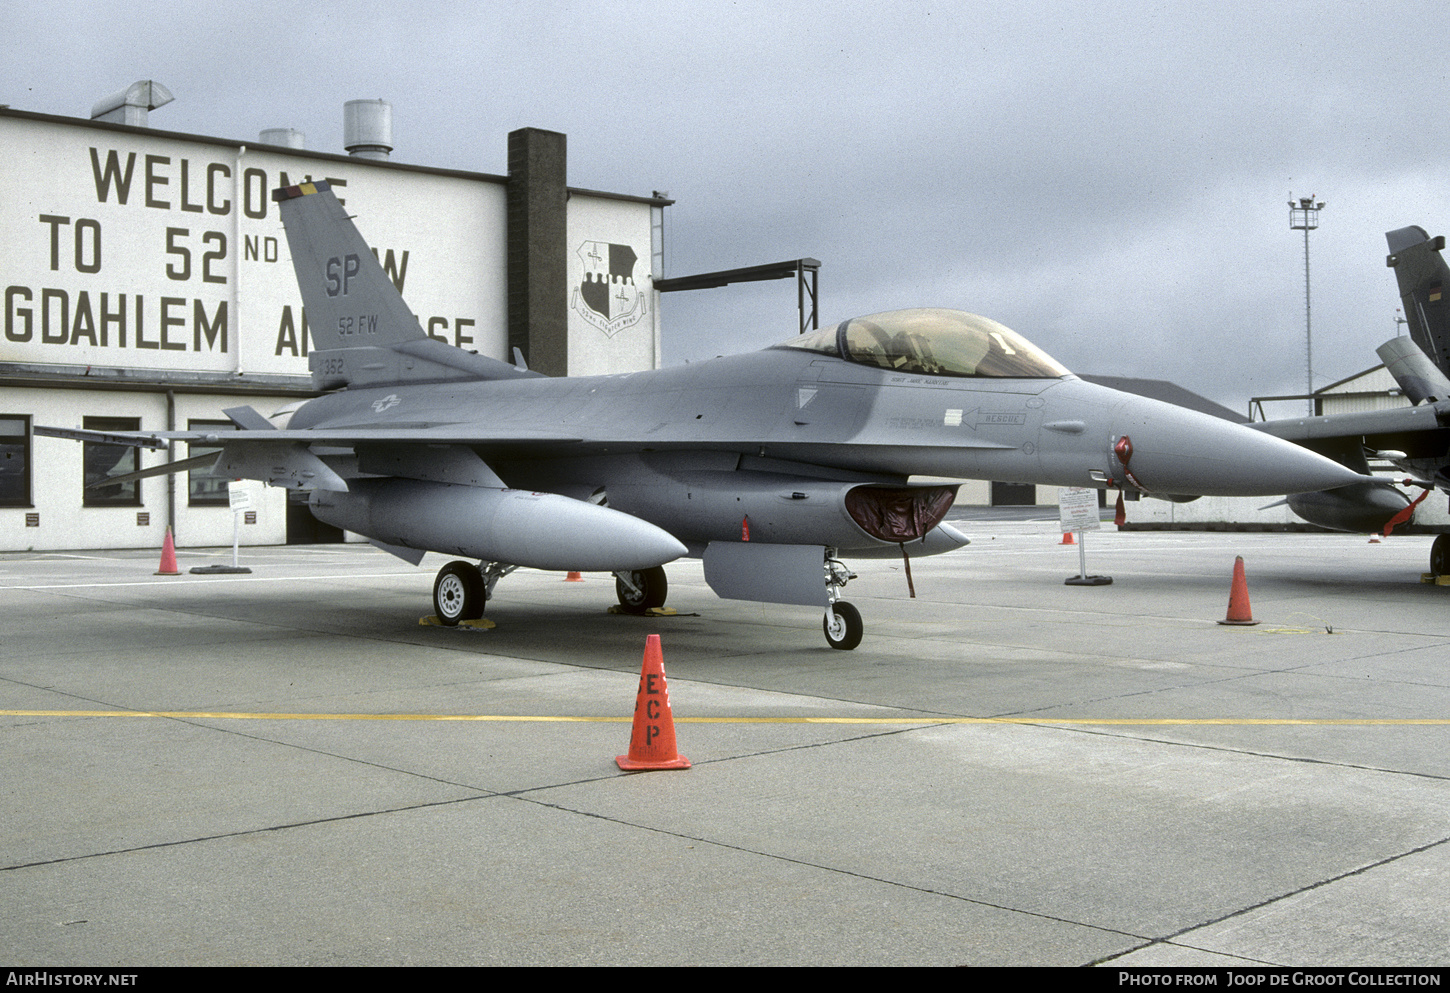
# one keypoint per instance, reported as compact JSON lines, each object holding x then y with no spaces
{"x":62,"y":520}
{"x":614,"y":312}
{"x":134,"y":250}
{"x":137,"y":263}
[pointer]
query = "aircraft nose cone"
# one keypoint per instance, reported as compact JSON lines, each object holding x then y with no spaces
{"x":1172,"y":450}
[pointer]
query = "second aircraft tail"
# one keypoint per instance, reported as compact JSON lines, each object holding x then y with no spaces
{"x":1424,"y":289}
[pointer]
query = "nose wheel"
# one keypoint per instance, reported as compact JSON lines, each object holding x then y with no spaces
{"x":842,"y":623}
{"x":843,"y":626}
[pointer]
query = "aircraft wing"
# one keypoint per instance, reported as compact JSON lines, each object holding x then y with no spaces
{"x":1374,"y":423}
{"x":285,"y":457}
{"x":333,"y":437}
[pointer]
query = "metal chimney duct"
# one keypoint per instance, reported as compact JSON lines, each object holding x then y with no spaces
{"x":131,"y":105}
{"x":286,"y":137}
{"x":367,"y":129}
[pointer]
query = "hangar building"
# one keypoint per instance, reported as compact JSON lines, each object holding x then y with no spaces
{"x":148,"y":287}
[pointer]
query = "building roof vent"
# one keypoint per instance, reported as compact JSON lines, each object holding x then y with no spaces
{"x":286,"y":137}
{"x":367,"y":129}
{"x":131,"y":105}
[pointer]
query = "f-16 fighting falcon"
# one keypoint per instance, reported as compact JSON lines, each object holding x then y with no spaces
{"x":772,"y":466}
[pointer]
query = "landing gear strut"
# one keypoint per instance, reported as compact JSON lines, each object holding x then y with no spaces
{"x":640,"y":590}
{"x":462,"y":589}
{"x":842,"y":623}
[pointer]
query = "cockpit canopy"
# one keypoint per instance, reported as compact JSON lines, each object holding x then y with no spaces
{"x":933,"y":342}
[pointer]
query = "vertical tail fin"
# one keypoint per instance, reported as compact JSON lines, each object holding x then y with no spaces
{"x":350,"y":301}
{"x":1424,"y":289}
{"x":362,"y":331}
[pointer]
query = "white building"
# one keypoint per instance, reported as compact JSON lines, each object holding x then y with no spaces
{"x":148,"y":287}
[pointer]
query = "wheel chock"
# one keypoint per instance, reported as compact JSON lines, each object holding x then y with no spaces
{"x":1430,"y":577}
{"x":652,"y":740}
{"x":481,"y":624}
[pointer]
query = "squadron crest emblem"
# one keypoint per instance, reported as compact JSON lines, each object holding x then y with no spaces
{"x":607,"y":296}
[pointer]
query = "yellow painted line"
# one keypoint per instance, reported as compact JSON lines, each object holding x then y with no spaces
{"x":556,"y":719}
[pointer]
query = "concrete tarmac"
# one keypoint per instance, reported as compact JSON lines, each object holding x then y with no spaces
{"x":286,"y":769}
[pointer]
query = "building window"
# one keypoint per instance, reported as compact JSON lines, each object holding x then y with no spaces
{"x":15,"y":460}
{"x":103,"y":461}
{"x":204,"y":490}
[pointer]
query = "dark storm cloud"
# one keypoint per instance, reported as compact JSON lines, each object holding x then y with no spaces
{"x":1110,"y":179}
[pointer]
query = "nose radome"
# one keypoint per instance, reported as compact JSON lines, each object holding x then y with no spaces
{"x":1173,"y":450}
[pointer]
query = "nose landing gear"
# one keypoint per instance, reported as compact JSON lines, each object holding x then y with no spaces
{"x":842,"y":623}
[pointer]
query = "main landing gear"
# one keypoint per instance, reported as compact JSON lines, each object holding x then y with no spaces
{"x":641,"y":590}
{"x":1440,"y":556}
{"x":462,"y":589}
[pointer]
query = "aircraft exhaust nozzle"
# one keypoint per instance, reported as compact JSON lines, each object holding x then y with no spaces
{"x":519,"y":527}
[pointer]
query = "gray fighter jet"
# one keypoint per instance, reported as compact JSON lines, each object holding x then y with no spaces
{"x":1415,"y":439}
{"x":771,"y":466}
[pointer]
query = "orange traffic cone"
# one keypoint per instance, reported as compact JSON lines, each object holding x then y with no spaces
{"x":573,"y":577}
{"x":1067,"y":539}
{"x":168,"y":556}
{"x":1238,"y":598}
{"x":652,"y":743}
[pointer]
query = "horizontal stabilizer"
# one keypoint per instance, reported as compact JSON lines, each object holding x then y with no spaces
{"x":170,"y":468}
{"x":1418,"y":377}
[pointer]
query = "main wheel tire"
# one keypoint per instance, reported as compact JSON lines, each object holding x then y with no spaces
{"x":652,"y":588}
{"x":843,"y":626}
{"x":1440,"y":555}
{"x":458,"y":593}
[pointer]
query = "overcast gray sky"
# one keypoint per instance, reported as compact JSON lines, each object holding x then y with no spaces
{"x":1109,"y":179}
